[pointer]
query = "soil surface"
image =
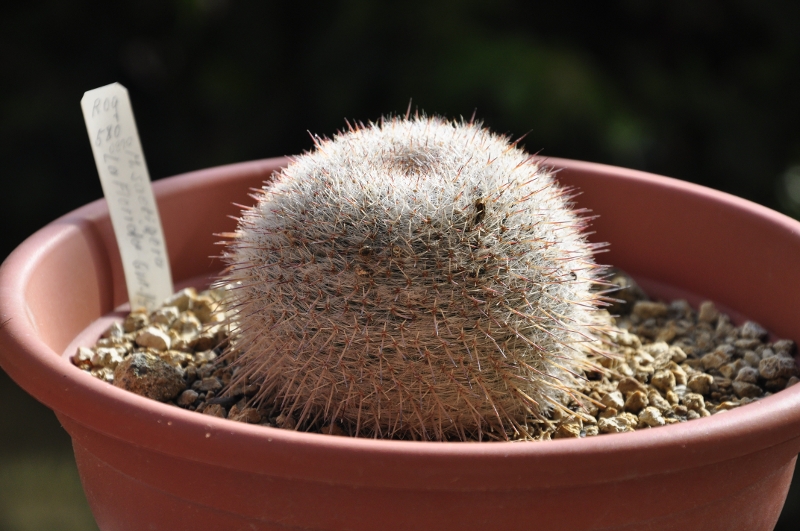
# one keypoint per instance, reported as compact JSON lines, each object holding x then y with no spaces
{"x":668,"y":363}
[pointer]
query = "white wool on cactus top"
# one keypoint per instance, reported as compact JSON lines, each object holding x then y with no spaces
{"x":420,"y":278}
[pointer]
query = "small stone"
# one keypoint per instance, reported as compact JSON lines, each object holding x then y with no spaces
{"x":135,"y":320}
{"x":752,"y":358}
{"x":614,"y":399}
{"x":224,"y":374}
{"x":680,"y":308}
{"x":700,"y":383}
{"x":215,"y":410}
{"x":792,"y":381}
{"x":626,"y":339}
{"x":703,"y":412}
{"x":677,"y":353}
{"x":677,"y":371}
{"x":643,"y":373}
{"x":203,"y":342}
{"x":707,"y":313}
{"x":724,"y":406}
{"x":178,"y":342}
{"x":83,"y":357}
{"x":110,"y":357}
{"x":693,"y":363}
{"x":187,"y":324}
{"x":205,"y":357}
{"x":114,"y":331}
{"x":667,"y":332}
{"x":224,"y":401}
{"x":659,"y":402}
{"x":747,"y":374}
{"x":777,"y":367}
{"x":221,"y":332}
{"x":609,"y":412}
{"x":175,"y":357}
{"x":154,"y":338}
{"x":187,"y":398}
{"x":643,"y":357}
{"x":104,"y":373}
{"x":662,"y":356}
{"x":636,"y":402}
{"x":570,"y":430}
{"x":652,"y":417}
{"x":724,"y":327}
{"x":680,"y":410}
{"x":164,"y":316}
{"x":746,"y":343}
{"x":693,"y":401}
{"x":785,"y":346}
{"x":663,"y":380}
{"x":190,"y":373}
{"x":591,"y":431}
{"x":751,"y":330}
{"x":591,"y":410}
{"x":285,"y":422}
{"x":718,"y":358}
{"x":692,"y":415}
{"x":625,"y":370}
{"x":720,"y":384}
{"x":182,"y":299}
{"x":148,"y":375}
{"x":630,"y":418}
{"x":250,"y":415}
{"x":115,"y":342}
{"x":746,"y":389}
{"x":648,"y":310}
{"x":613,"y":425}
{"x":203,"y":307}
{"x":730,"y":370}
{"x":672,"y":397}
{"x":210,"y":384}
{"x":657,"y":349}
{"x":629,"y":385}
{"x":765,"y":352}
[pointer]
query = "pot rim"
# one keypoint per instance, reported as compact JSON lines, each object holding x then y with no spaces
{"x":99,"y":406}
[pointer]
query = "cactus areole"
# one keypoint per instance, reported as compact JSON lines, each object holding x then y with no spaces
{"x":416,"y":278}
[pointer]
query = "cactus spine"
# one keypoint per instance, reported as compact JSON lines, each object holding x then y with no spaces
{"x":419,"y":278}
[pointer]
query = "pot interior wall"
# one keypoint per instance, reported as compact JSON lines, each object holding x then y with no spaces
{"x":677,"y":243}
{"x":707,"y":244}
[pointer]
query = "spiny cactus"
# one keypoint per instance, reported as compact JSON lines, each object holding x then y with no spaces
{"x":417,"y":278}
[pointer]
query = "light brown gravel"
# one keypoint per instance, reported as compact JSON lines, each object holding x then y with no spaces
{"x":673,"y":364}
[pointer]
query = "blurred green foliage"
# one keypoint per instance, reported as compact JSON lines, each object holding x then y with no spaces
{"x":701,"y":91}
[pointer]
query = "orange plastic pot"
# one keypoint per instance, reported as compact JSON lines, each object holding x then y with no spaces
{"x":150,"y":466}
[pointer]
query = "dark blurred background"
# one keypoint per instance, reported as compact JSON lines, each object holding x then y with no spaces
{"x":708,"y":92}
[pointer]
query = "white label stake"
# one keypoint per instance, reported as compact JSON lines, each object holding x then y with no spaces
{"x":126,"y":186}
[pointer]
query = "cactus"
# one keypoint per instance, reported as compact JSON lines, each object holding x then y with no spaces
{"x":416,"y":278}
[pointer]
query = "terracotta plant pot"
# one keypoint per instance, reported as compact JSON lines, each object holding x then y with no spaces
{"x":147,"y":465}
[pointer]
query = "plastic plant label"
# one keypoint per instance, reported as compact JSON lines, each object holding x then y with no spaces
{"x":126,"y":185}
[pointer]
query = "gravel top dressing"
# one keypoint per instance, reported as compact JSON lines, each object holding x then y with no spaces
{"x":673,"y":364}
